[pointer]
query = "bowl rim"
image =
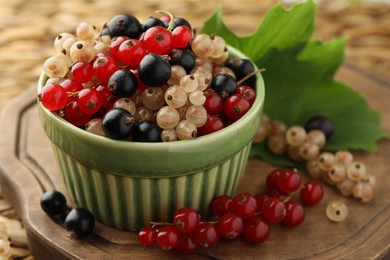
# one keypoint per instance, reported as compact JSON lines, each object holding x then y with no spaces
{"x":177,"y":146}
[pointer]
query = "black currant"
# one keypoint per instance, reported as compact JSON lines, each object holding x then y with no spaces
{"x":152,"y":22}
{"x":53,"y":203}
{"x":147,"y":131}
{"x":122,"y":83}
{"x":321,"y":123}
{"x":80,"y":222}
{"x":241,"y":68}
{"x":154,"y":70}
{"x":118,"y":123}
{"x":180,"y":21}
{"x":184,"y":58}
{"x":224,"y":85}
{"x":124,"y":25}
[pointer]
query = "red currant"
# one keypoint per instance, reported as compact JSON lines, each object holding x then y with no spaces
{"x":247,"y":92}
{"x":273,"y":209}
{"x":53,"y":96}
{"x":168,"y":237}
{"x":295,"y":214}
{"x":213,"y":103}
{"x":131,"y":52}
{"x":213,"y":124}
{"x":181,"y":37}
{"x":311,"y":193}
{"x":89,"y":101}
{"x":147,"y":236}
{"x":115,"y":44}
{"x":187,"y":244}
{"x":82,"y":72}
{"x":260,"y":200}
{"x":186,"y":220}
{"x":272,"y":178}
{"x":220,"y":205}
{"x":108,"y":98}
{"x":256,"y":230}
{"x":104,"y":66}
{"x":243,"y":205}
{"x":73,"y":114}
{"x":71,"y":85}
{"x":288,"y":181}
{"x":206,"y":235}
{"x":235,"y":106}
{"x":230,"y":226}
{"x":157,"y":40}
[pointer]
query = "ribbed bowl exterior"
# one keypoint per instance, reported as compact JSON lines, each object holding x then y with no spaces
{"x":131,"y":202}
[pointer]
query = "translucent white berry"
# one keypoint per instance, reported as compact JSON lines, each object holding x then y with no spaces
{"x":309,"y":151}
{"x":316,"y":137}
{"x":60,"y":39}
{"x":296,"y":135}
{"x":219,"y":46}
{"x":356,"y":171}
{"x":86,"y":31}
{"x":277,"y":144}
{"x":197,"y":98}
{"x":196,"y":115}
{"x":314,"y":170}
{"x":343,"y":157}
{"x":95,"y":126}
{"x":202,"y":45}
{"x":176,"y":97}
{"x":363,"y":191}
{"x":167,"y":117}
{"x":337,"y":173}
{"x":82,"y":51}
{"x":168,"y":135}
{"x":325,"y":161}
{"x":346,"y":187}
{"x":186,"y":130}
{"x":57,"y":66}
{"x":189,"y":83}
{"x":336,"y":211}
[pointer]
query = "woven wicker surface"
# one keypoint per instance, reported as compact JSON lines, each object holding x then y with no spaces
{"x":27,"y":30}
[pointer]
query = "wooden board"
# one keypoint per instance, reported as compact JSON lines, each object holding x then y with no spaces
{"x":27,"y":168}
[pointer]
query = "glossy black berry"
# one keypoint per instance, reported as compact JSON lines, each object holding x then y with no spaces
{"x":122,"y":83}
{"x":80,"y":222}
{"x":53,"y":203}
{"x":241,"y":68}
{"x":321,"y":123}
{"x":184,"y":58}
{"x":224,"y":85}
{"x":147,"y":131}
{"x":154,"y":70}
{"x":118,"y":123}
{"x":152,"y":22}
{"x":180,"y":21}
{"x":124,"y":25}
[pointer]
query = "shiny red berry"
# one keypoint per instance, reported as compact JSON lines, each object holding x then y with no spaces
{"x":230,"y":227}
{"x":235,"y":106}
{"x":220,"y":205}
{"x":186,"y":220}
{"x":213,"y":124}
{"x":295,"y":214}
{"x":131,"y":52}
{"x":53,"y":96}
{"x":256,"y":230}
{"x":311,"y":193}
{"x":247,"y":92}
{"x":147,"y":236}
{"x":168,"y":237}
{"x":206,"y":235}
{"x":288,"y":181}
{"x":243,"y":205}
{"x":273,"y":209}
{"x":213,"y":103}
{"x":157,"y":40}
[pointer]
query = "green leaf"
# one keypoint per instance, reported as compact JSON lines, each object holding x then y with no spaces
{"x":279,"y":29}
{"x":299,"y":78}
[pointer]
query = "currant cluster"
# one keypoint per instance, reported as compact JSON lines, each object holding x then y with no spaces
{"x":244,"y":215}
{"x":153,"y":82}
{"x":305,"y":143}
{"x":78,"y":221}
{"x":5,"y":244}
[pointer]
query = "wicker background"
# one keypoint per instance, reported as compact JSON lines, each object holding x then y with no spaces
{"x":27,"y":30}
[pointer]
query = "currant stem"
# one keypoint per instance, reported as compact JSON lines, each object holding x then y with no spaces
{"x":160,"y":224}
{"x":170,"y":26}
{"x":250,"y":75}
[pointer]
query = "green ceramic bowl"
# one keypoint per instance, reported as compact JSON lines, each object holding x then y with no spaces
{"x":128,"y":184}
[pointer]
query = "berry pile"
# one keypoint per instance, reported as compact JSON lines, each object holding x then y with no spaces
{"x":78,"y":221}
{"x":305,"y":143}
{"x":243,"y":215}
{"x":147,"y":82}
